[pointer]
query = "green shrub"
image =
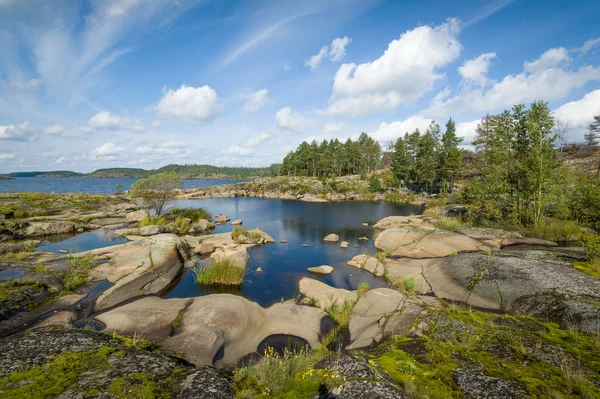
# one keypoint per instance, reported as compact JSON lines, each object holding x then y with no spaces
{"x":77,"y":275}
{"x":182,"y":224}
{"x":153,"y":221}
{"x":374,"y":184}
{"x":157,"y":191}
{"x":194,"y":214}
{"x":242,"y":235}
{"x":220,"y":272}
{"x":447,"y":223}
{"x":341,"y":314}
{"x":555,"y":230}
{"x":435,"y":202}
{"x":368,"y":196}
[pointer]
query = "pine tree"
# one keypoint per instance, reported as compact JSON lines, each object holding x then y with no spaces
{"x":401,"y":161}
{"x":426,"y":163}
{"x":450,"y":156}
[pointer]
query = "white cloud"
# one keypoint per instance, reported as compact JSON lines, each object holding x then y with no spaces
{"x":589,"y":45}
{"x":5,"y":156}
{"x":22,"y":132}
{"x":255,"y":101}
{"x":335,"y":52}
{"x":475,"y":70}
{"x":547,"y":78}
{"x":391,"y":131}
{"x":170,"y":148}
{"x":72,"y":131}
{"x":468,"y":131}
{"x":258,"y":138}
{"x":156,"y":124}
{"x":338,"y":48}
{"x":107,"y":151}
{"x":119,"y":7}
{"x":579,"y":114}
{"x":288,"y":120}
{"x":314,"y":61}
{"x":60,"y":160}
{"x":333,"y":127}
{"x":237,"y":150}
{"x":196,"y":105}
{"x":104,"y":120}
{"x":20,"y":85}
{"x":407,"y":70}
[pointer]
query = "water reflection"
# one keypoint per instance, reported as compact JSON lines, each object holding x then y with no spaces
{"x":82,"y":242}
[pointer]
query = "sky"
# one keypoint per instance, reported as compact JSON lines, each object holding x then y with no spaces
{"x":144,"y":83}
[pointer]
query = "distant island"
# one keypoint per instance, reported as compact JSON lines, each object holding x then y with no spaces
{"x":6,"y":178}
{"x":208,"y":172}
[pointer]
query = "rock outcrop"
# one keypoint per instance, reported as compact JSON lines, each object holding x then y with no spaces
{"x":369,"y":263}
{"x":38,"y":229}
{"x":324,"y":295}
{"x":324,"y":270}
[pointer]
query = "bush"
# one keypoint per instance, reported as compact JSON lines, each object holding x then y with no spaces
{"x":182,"y":224}
{"x":194,"y":214}
{"x":243,"y":236}
{"x":555,"y":230}
{"x":374,"y":184}
{"x":341,"y":314}
{"x":157,"y":191}
{"x":447,"y":223}
{"x":399,"y":197}
{"x":77,"y":275}
{"x":152,"y":221}
{"x":220,"y":272}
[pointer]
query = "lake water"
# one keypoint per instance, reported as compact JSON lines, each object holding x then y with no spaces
{"x":87,"y":185}
{"x":283,"y":265}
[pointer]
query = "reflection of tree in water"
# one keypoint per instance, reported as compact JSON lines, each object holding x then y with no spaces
{"x":110,"y":236}
{"x":305,"y":231}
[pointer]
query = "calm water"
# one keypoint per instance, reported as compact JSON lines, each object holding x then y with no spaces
{"x":300,"y":223}
{"x":82,"y":242}
{"x":85,"y":185}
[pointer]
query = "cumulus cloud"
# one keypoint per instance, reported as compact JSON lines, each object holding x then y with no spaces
{"x":5,"y":156}
{"x":108,"y":151}
{"x":407,"y":70}
{"x":333,"y":127}
{"x":172,"y":148}
{"x":195,"y":105}
{"x":475,"y":70}
{"x":335,"y":52}
{"x":579,"y":114}
{"x":549,"y":78}
{"x":22,"y":132}
{"x":237,"y":150}
{"x":60,"y":160}
{"x":288,"y":120}
{"x":391,"y":131}
{"x":258,"y":138}
{"x":468,"y":131}
{"x":105,"y":120}
{"x":589,"y":45}
{"x":255,"y":101}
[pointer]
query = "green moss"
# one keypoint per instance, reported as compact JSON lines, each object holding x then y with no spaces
{"x":137,"y":385}
{"x":177,"y":321}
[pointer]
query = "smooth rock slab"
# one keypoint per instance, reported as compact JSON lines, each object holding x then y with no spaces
{"x":392,"y":222}
{"x":151,"y":230}
{"x":369,"y":263}
{"x":321,"y":269}
{"x":419,"y":242}
{"x":400,"y":269}
{"x":204,"y":248}
{"x":136,"y":216}
{"x":236,"y":254}
{"x":324,"y":295}
{"x":49,"y":228}
{"x":221,"y":329}
{"x":150,"y":317}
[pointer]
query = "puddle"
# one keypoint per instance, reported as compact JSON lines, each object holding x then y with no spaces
{"x":83,"y":242}
{"x":11,"y":274}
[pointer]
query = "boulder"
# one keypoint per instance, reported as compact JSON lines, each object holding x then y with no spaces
{"x":128,"y":232}
{"x":140,"y":267}
{"x":537,"y":283}
{"x":369,"y":263}
{"x":137,"y":216}
{"x":151,"y":230}
{"x":392,"y":222}
{"x":219,"y":240}
{"x":283,"y":241}
{"x":204,"y":225}
{"x":205,"y":382}
{"x":204,"y":248}
{"x":344,"y":244}
{"x":236,"y":254}
{"x":363,"y":239}
{"x":221,"y":329}
{"x":475,"y":384}
{"x":321,"y":269}
{"x":324,"y":295}
{"x":331,"y":238}
{"x":370,"y":315}
{"x":150,"y":317}
{"x":312,"y":198}
{"x":420,"y":242}
{"x":237,"y":222}
{"x":220,"y":218}
{"x":50,"y":228}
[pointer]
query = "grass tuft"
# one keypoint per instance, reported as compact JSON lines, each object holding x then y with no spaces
{"x":220,"y":272}
{"x":153,"y":221}
{"x":77,"y":275}
{"x":242,"y":235}
{"x":194,"y":214}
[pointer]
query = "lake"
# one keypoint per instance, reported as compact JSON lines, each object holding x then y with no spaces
{"x":89,"y":185}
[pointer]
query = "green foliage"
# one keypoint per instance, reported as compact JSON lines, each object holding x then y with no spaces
{"x":242,"y":235}
{"x":77,"y":275}
{"x":399,"y":197}
{"x":182,"y":224}
{"x":220,"y":272}
{"x":401,"y":161}
{"x":18,"y":212}
{"x":157,"y":191}
{"x":555,"y":230}
{"x":591,"y":243}
{"x":194,"y":214}
{"x":153,"y":221}
{"x":363,"y":288}
{"x":447,"y":223}
{"x":374,"y":183}
{"x":341,"y":313}
{"x":450,"y":157}
{"x":118,"y":188}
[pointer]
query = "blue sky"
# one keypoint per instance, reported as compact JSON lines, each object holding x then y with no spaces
{"x":141,"y":83}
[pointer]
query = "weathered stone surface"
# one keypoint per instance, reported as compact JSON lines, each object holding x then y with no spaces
{"x":475,"y":384}
{"x":400,"y":322}
{"x":204,"y":225}
{"x":369,"y":316}
{"x":136,"y":216}
{"x":392,"y":222}
{"x":236,"y":254}
{"x":400,"y":269}
{"x":498,"y":239}
{"x":324,"y":295}
{"x":528,"y":281}
{"x":369,"y":263}
{"x":204,"y":248}
{"x":137,"y":268}
{"x":108,"y":221}
{"x":331,"y":238}
{"x":49,"y":228}
{"x":221,"y":329}
{"x":151,"y":230}
{"x":133,"y":231}
{"x":151,"y":317}
{"x":218,"y":240}
{"x":358,"y":389}
{"x":220,"y":218}
{"x":205,"y":383}
{"x":419,"y":242}
{"x":59,"y":318}
{"x":321,"y":269}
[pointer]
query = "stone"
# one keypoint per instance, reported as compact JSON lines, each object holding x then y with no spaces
{"x":221,"y":329}
{"x":331,"y":238}
{"x":190,"y":263}
{"x":236,"y":254}
{"x":220,"y":218}
{"x":63,"y":251}
{"x":204,"y":248}
{"x":400,"y":322}
{"x":370,"y":314}
{"x":344,"y":244}
{"x":151,"y":230}
{"x":475,"y":384}
{"x":219,"y":240}
{"x":259,"y":270}
{"x":324,"y":295}
{"x":283,"y":241}
{"x":133,"y":231}
{"x":205,"y":382}
{"x":369,"y":263}
{"x":305,"y":245}
{"x":150,"y":317}
{"x":237,"y":222}
{"x":321,"y":269}
{"x":140,"y":267}
{"x":404,"y":268}
{"x":136,"y":216}
{"x":58,"y":318}
{"x":312,"y":198}
{"x":50,"y":228}
{"x":420,"y":242}
{"x":363,"y":239}
{"x":204,"y":225}
{"x":392,"y":222}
